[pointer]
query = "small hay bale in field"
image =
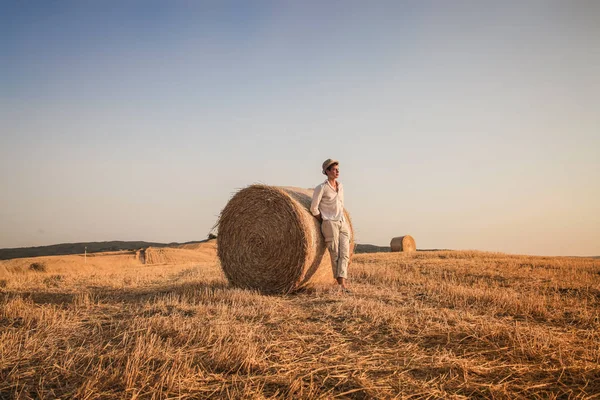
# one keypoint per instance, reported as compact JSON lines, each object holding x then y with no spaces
{"x":140,"y":256}
{"x":403,"y":243}
{"x":268,"y":240}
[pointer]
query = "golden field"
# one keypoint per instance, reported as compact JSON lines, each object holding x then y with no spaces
{"x":447,"y":324}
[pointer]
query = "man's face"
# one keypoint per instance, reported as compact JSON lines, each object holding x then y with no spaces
{"x":333,"y":172}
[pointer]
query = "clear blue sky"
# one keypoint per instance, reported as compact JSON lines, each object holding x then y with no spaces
{"x":467,"y":124}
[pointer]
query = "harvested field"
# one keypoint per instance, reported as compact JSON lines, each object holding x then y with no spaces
{"x":419,"y":325}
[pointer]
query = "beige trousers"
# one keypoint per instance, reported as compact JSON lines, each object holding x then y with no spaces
{"x":337,"y":239}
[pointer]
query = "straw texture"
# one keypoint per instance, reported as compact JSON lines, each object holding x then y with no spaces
{"x":269,"y":241}
{"x":403,"y":243}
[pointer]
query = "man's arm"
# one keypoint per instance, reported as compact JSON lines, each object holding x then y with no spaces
{"x":314,"y":205}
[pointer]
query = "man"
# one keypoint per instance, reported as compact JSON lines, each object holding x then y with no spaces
{"x":328,"y":207}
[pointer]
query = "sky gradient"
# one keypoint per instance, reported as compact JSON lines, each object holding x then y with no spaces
{"x":467,"y":124}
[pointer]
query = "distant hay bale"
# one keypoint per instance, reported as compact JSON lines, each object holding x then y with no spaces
{"x":140,"y":256}
{"x":403,"y":243}
{"x":268,"y":240}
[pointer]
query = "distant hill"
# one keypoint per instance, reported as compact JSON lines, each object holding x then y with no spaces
{"x":370,"y":248}
{"x":117,"y":245}
{"x":79,"y":248}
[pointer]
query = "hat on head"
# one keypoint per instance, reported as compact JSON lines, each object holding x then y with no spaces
{"x":327,"y":163}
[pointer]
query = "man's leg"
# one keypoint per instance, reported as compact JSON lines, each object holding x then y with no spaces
{"x":343,"y":254}
{"x":331,"y":235}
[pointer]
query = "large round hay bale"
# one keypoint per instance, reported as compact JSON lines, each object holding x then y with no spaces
{"x":403,"y":243}
{"x":268,"y":240}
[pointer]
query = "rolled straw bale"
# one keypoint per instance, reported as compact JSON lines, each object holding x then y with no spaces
{"x":403,"y":243}
{"x":268,"y":240}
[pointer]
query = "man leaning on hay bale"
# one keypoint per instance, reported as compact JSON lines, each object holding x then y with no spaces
{"x":328,"y":207}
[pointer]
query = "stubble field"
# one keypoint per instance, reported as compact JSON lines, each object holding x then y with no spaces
{"x":421,"y":325}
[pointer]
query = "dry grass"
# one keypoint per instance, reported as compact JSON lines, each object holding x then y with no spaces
{"x":419,"y":325}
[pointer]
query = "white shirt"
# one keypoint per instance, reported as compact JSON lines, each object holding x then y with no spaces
{"x":328,"y":202}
